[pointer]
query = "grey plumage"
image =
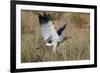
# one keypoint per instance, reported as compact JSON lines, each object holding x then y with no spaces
{"x":50,"y":35}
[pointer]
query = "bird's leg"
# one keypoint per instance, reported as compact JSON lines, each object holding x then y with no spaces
{"x":54,"y":46}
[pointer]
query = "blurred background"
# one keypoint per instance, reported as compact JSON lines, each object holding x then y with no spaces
{"x":77,"y":33}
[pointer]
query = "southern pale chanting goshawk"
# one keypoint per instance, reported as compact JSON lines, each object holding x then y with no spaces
{"x":49,"y":33}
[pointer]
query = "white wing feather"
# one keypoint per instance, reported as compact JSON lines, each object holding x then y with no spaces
{"x":49,"y":32}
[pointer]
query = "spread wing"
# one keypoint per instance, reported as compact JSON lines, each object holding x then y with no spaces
{"x":61,"y":29}
{"x":47,"y":28}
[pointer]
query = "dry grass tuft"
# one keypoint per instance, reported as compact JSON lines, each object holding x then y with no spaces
{"x":75,"y":47}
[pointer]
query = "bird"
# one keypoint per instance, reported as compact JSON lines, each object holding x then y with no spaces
{"x":48,"y":31}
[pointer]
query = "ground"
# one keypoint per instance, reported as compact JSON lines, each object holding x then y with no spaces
{"x":75,"y":47}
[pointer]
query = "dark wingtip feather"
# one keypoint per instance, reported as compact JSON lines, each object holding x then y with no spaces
{"x":44,"y":18}
{"x":61,"y":29}
{"x":44,"y":14}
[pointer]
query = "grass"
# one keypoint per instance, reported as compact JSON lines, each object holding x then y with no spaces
{"x":75,"y":47}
